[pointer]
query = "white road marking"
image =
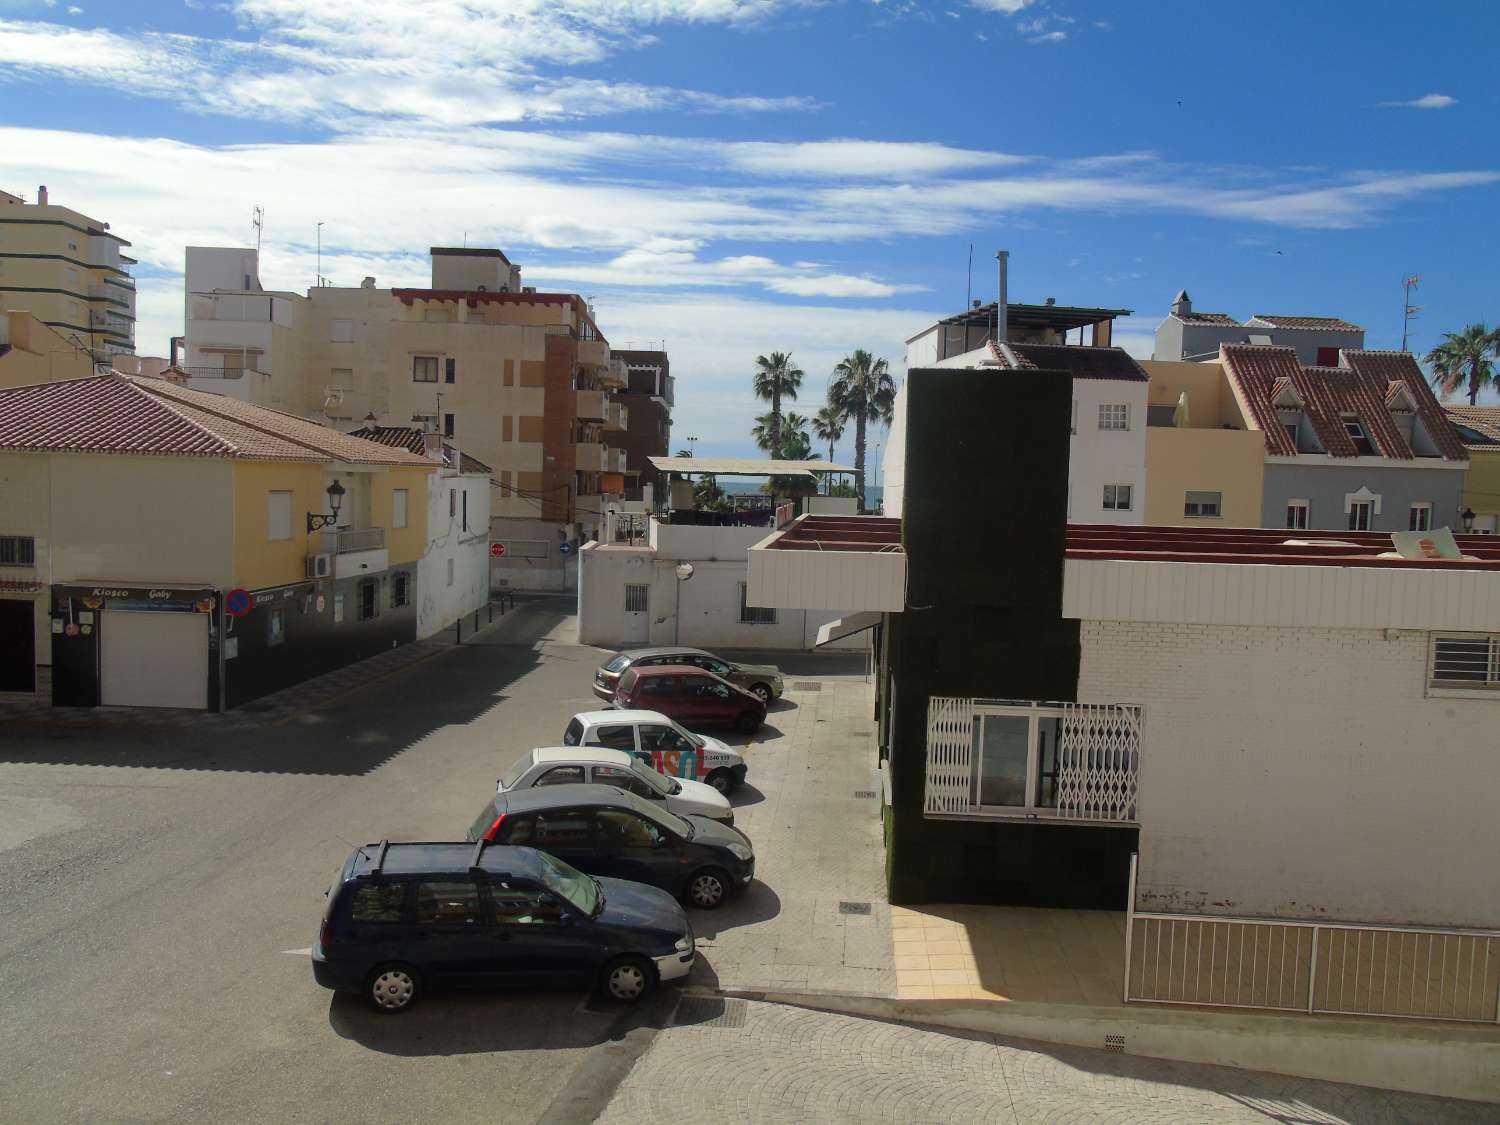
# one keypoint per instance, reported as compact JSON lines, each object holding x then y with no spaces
{"x":299,"y":952}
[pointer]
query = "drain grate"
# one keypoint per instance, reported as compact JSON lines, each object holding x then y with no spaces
{"x":854,"y":908}
{"x":806,"y":685}
{"x":865,"y":794}
{"x":709,"y":1011}
{"x":1115,"y":1044}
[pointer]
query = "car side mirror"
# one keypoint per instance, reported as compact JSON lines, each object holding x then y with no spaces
{"x":567,"y":919}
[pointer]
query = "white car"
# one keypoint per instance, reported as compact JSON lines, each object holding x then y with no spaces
{"x":662,"y":744}
{"x":599,"y":765}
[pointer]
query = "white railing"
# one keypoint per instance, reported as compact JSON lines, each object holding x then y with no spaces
{"x":345,"y":542}
{"x":950,"y":734}
{"x":1400,"y":972}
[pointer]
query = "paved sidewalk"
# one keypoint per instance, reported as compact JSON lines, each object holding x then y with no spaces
{"x":816,"y":917}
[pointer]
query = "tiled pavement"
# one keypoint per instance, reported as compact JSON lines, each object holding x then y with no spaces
{"x":810,"y":806}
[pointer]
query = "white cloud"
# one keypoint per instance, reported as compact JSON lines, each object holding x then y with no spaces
{"x":1426,"y":101}
{"x":1049,"y":37}
{"x":853,"y":158}
{"x":1009,"y":7}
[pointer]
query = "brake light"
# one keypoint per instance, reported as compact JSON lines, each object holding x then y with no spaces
{"x":494,"y":829}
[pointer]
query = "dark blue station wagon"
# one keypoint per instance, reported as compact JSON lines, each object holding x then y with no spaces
{"x":405,"y":918}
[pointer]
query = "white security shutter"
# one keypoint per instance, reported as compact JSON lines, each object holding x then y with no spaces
{"x":1099,"y":761}
{"x":950,"y":734}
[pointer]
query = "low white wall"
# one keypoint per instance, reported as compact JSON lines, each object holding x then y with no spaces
{"x":1304,"y":773}
{"x":831,"y":506}
{"x":438,"y":603}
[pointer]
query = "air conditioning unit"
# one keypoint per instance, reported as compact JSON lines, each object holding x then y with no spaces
{"x":320,"y":566}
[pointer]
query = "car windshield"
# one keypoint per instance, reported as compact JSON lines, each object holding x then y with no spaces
{"x":696,"y":740}
{"x":658,"y":783}
{"x":581,"y":891}
{"x":680,"y":825}
{"x":627,"y":681}
{"x":617,"y":662}
{"x":509,"y":778}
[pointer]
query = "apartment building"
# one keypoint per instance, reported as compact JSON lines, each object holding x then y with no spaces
{"x":33,"y":352}
{"x":521,"y":380}
{"x":1188,"y":335}
{"x":68,"y":271}
{"x":160,"y":546}
{"x":647,"y":399}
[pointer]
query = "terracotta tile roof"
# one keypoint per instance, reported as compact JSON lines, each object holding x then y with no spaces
{"x":411,"y":438}
{"x":1079,"y":361}
{"x":1320,"y":323}
{"x":1223,"y":320}
{"x":1360,"y":388}
{"x":1266,"y":547}
{"x":288,"y":427}
{"x":1482,"y":420}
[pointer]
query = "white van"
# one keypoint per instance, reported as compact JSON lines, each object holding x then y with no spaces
{"x":662,"y":744}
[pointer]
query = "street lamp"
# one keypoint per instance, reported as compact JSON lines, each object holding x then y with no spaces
{"x":1468,"y":518}
{"x":684,"y":571}
{"x":318,"y":520}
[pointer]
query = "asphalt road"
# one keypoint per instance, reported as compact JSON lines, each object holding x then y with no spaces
{"x":160,"y":890}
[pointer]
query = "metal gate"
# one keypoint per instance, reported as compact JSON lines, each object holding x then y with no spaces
{"x":637,"y":613}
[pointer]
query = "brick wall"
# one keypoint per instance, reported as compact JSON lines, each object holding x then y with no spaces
{"x":1304,"y":772}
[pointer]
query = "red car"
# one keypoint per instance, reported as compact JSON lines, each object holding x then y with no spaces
{"x":690,"y":695}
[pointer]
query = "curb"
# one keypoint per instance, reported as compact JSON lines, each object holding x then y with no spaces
{"x":1417,"y":1057}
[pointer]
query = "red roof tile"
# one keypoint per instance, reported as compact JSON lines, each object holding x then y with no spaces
{"x":1386,"y":367}
{"x":1482,"y":420}
{"x":1223,"y":320}
{"x":1319,"y":323}
{"x":412,"y":439}
{"x":1265,"y":546}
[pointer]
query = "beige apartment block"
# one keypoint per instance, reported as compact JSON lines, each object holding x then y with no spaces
{"x":519,"y":379}
{"x":31,"y":352}
{"x":67,"y":270}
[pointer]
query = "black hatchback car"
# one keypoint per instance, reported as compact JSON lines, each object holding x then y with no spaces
{"x":403,"y":918}
{"x":608,"y":832}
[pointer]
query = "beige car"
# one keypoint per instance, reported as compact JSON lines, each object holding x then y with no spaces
{"x":763,"y":680}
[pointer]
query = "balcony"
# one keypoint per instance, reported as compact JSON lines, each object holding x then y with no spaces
{"x":355,"y":552}
{"x":615,"y":376}
{"x":616,"y":416}
{"x":589,"y":405}
{"x":614,"y":460}
{"x":221,"y":373}
{"x":593,"y":353}
{"x":590,"y":457}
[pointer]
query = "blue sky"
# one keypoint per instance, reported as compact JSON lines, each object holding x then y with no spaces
{"x":738,"y":176}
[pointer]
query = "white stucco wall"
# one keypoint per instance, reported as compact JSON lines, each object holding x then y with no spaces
{"x":438,"y":603}
{"x":893,"y":498}
{"x":1304,"y":772}
{"x":1098,"y":457}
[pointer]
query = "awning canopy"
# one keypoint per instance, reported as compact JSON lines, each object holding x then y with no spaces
{"x":846,"y":627}
{"x":746,"y":466}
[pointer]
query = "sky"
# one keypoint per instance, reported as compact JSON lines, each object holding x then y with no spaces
{"x":733,"y":177}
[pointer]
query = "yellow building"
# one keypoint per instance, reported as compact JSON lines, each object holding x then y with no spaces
{"x":1479,"y":429}
{"x":1204,"y":466}
{"x":181,"y":549}
{"x":31,"y":352}
{"x":67,"y":269}
{"x":520,"y":379}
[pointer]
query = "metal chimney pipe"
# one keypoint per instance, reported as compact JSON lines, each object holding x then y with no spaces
{"x":1002,"y":321}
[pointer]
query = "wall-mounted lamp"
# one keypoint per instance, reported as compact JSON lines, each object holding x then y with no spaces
{"x":317,"y":520}
{"x":1468,"y":518}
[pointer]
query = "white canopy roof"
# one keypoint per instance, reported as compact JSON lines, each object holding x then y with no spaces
{"x":746,"y":466}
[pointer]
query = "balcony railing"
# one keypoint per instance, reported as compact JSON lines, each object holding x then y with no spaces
{"x":589,"y":405}
{"x":346,"y":542}
{"x":222,"y":372}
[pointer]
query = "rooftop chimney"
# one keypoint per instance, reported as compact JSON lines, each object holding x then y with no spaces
{"x":41,"y":196}
{"x":977,"y":302}
{"x":1182,"y":304}
{"x":1002,"y":317}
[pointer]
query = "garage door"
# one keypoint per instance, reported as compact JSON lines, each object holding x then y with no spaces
{"x":154,"y":659}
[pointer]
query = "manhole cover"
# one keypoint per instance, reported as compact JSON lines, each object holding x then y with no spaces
{"x":709,"y":1011}
{"x":864,"y":793}
{"x":854,"y":908}
{"x":806,"y":685}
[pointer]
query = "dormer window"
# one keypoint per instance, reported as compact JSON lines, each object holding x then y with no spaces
{"x":1356,"y":431}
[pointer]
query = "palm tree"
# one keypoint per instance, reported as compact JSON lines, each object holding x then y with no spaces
{"x":684,"y":453}
{"x":793,"y":436}
{"x":1464,"y":358}
{"x":776,"y":377}
{"x":761,"y":432}
{"x":862,"y":388}
{"x":828,"y":425}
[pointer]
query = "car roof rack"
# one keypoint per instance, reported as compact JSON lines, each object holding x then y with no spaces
{"x":385,"y":846}
{"x":478,"y":853}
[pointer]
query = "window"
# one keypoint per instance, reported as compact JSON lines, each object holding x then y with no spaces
{"x":507,"y":424}
{"x":1291,"y":432}
{"x":17,"y":550}
{"x":754,"y":615}
{"x":378,"y":902}
{"x":1114,"y":415}
{"x":338,"y":609}
{"x":447,"y":425}
{"x":399,"y":499}
{"x":1359,"y":515}
{"x":464,"y":511}
{"x":523,"y":906}
{"x":636,"y":597}
{"x":450,"y":572}
{"x":275,"y":627}
{"x":452,"y":502}
{"x":1357,"y":435}
{"x":1469,"y":660}
{"x":623,"y":779}
{"x":368,"y":589}
{"x":450,"y":370}
{"x":278,"y":515}
{"x":616,"y":738}
{"x":1117,"y":497}
{"x":447,"y":902}
{"x":620,"y":830}
{"x":341,"y":331}
{"x":424,"y":369}
{"x":1296,"y":514}
{"x":659,"y":739}
{"x":400,"y":589}
{"x":1420,"y":517}
{"x":1014,"y":761}
{"x":1328,"y":357}
{"x":659,"y":685}
{"x":562,"y":775}
{"x":1203,"y":505}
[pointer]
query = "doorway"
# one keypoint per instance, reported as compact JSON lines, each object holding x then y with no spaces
{"x":17,"y":646}
{"x":637,"y":614}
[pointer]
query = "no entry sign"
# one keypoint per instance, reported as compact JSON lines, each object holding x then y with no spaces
{"x":237,"y":603}
{"x":497,"y":550}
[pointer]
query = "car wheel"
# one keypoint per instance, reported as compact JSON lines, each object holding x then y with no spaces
{"x":762,"y":692}
{"x":392,"y":989}
{"x":748,"y":723}
{"x":722,"y":780}
{"x":708,"y":889}
{"x":627,"y":979}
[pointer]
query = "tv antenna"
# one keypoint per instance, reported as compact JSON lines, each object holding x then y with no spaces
{"x":258,"y":221}
{"x":1409,"y":311}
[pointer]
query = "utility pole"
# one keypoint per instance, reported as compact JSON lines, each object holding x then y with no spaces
{"x":1409,"y":311}
{"x":258,"y":221}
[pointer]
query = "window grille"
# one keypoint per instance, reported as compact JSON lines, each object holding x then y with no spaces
{"x":1114,"y":416}
{"x":17,"y":550}
{"x":1465,"y":660}
{"x":754,"y":615}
